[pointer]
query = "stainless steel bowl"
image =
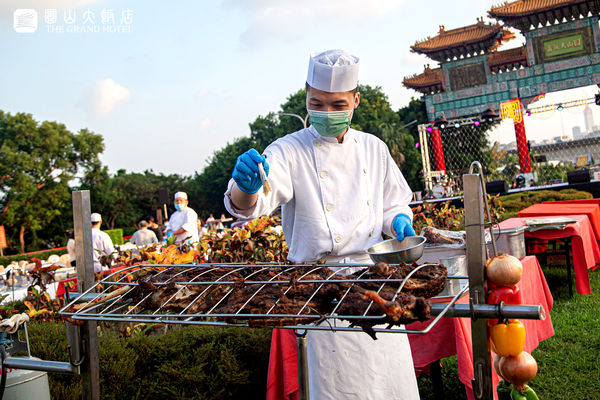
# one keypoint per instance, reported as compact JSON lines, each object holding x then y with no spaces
{"x":392,"y":251}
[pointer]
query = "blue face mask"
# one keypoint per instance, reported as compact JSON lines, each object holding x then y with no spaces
{"x":330,"y":124}
{"x":179,"y":207}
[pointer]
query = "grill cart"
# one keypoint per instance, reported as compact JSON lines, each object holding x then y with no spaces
{"x":210,"y":294}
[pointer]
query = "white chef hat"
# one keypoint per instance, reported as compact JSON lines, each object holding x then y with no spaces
{"x":333,"y":71}
{"x":95,"y":217}
{"x":183,"y":195}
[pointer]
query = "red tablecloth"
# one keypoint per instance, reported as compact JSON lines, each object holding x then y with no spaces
{"x":450,"y":336}
{"x":282,"y":378}
{"x":453,"y":335}
{"x":585,"y":249}
{"x":555,"y":208}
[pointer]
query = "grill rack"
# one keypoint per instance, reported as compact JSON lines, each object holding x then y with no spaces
{"x":119,"y":310}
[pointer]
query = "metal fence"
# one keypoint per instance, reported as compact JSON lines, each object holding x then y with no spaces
{"x":448,"y":148}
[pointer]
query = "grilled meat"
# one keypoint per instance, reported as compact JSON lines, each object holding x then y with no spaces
{"x":298,"y":294}
{"x":435,"y":238}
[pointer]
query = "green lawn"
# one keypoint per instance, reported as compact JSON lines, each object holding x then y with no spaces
{"x":568,"y":362}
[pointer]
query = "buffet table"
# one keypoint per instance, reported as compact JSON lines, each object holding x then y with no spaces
{"x":450,"y":336}
{"x":453,"y":335}
{"x":567,"y":209}
{"x":584,"y":247}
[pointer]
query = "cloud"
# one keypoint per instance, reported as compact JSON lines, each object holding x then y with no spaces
{"x":104,"y":96}
{"x":202,"y":92}
{"x":7,"y":7}
{"x":415,"y":60}
{"x":205,"y":123}
{"x":289,"y":20}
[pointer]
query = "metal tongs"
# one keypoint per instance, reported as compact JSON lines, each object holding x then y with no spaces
{"x":485,"y":201}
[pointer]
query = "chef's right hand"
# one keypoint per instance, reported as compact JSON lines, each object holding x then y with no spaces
{"x":245,"y":173}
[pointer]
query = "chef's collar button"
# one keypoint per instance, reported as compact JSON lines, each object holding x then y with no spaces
{"x":365,"y":170}
{"x":356,"y":140}
{"x":323,"y":174}
{"x":368,"y":202}
{"x":338,"y":239}
{"x":317,"y":143}
{"x":329,"y":207}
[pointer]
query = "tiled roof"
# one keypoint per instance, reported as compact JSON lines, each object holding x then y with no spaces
{"x":522,"y":14}
{"x":430,"y":78}
{"x":525,"y":7}
{"x":457,"y":37}
{"x":508,"y":58}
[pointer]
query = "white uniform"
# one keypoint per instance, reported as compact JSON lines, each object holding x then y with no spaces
{"x":103,"y":246}
{"x":188,"y":220}
{"x":336,"y":199}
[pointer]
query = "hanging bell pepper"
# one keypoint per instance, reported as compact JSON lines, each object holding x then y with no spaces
{"x":526,"y":394}
{"x":503,"y":389}
{"x":509,"y":295}
{"x":508,"y":338}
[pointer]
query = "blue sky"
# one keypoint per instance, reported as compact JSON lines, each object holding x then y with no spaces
{"x":190,"y":75}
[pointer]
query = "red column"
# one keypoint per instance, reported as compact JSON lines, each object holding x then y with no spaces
{"x":438,"y":151}
{"x":522,"y":150}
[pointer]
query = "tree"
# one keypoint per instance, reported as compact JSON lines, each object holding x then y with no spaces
{"x":373,"y":111}
{"x":405,"y":154}
{"x":37,"y":162}
{"x":208,"y":187}
{"x":126,"y":198}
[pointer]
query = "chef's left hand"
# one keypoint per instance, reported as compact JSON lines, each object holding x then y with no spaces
{"x":402,"y":226}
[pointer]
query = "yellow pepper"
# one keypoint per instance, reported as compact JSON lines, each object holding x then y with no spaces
{"x":508,"y":338}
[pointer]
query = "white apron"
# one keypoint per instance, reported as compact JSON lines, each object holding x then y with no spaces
{"x":352,"y":366}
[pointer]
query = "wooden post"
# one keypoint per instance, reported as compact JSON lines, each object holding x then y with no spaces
{"x":90,"y":370}
{"x":159,"y":218}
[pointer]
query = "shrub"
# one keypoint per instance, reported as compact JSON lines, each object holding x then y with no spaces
{"x":515,"y":202}
{"x":199,"y":362}
{"x":42,"y":255}
{"x":116,"y":235}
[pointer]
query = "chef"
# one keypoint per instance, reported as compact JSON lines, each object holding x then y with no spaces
{"x":183,"y":222}
{"x":101,"y":243}
{"x":339,"y":190}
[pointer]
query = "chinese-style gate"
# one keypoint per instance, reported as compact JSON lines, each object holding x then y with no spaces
{"x":474,"y":77}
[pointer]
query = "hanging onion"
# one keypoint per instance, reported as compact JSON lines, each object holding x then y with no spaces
{"x":518,"y":370}
{"x":504,"y":270}
{"x":496,"y":364}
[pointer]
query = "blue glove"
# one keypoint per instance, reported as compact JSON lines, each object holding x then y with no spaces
{"x":245,"y":173}
{"x":402,"y":227}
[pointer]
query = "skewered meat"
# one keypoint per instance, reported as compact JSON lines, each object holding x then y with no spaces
{"x":434,"y":238}
{"x":283,"y":295}
{"x":405,"y":307}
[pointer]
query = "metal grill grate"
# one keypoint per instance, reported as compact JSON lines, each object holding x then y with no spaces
{"x":204,"y":279}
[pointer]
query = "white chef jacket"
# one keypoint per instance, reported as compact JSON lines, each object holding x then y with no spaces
{"x":71,"y":250}
{"x":188,"y":220}
{"x":336,"y":199}
{"x":103,"y":246}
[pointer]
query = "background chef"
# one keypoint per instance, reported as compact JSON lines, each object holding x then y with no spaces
{"x":102,"y":244}
{"x":339,"y":189}
{"x":183,"y":222}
